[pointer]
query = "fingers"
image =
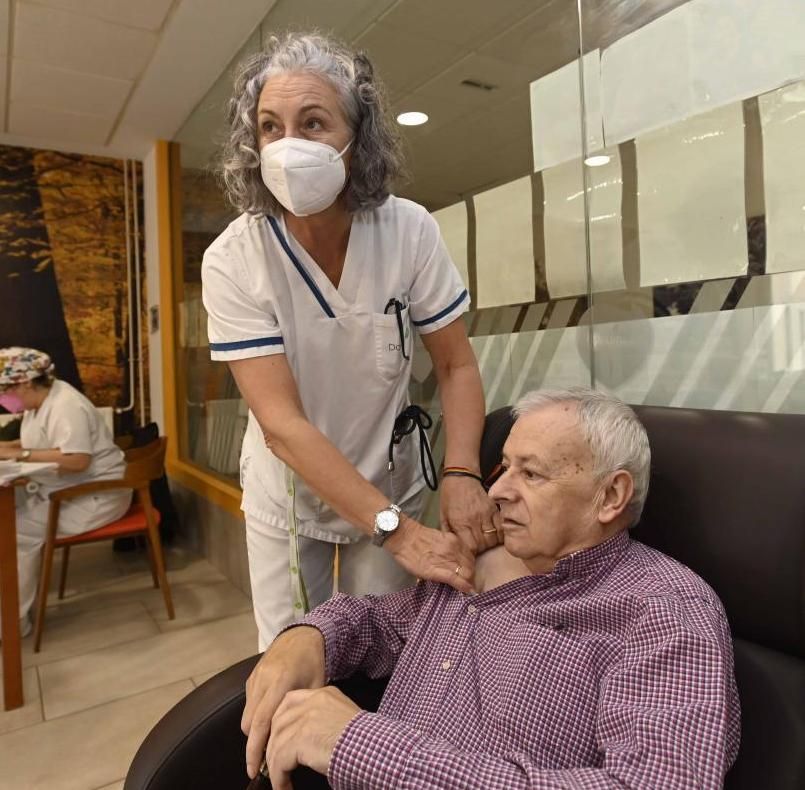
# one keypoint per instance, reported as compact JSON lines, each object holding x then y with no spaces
{"x":256,"y":745}
{"x":471,"y":538}
{"x":306,"y":728}
{"x":489,"y":534}
{"x":497,"y":521}
{"x":258,"y":685}
{"x":456,"y":568}
{"x":457,"y":581}
{"x":287,"y":730}
{"x":478,"y":537}
{"x":258,"y":725}
{"x":253,"y":697}
{"x":435,"y":555}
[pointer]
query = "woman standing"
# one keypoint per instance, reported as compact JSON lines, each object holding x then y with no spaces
{"x":59,"y":426}
{"x":313,"y":294}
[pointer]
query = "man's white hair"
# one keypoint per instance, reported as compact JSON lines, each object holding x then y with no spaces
{"x":616,"y":437}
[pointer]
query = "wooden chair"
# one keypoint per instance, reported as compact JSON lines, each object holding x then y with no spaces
{"x":143,"y":464}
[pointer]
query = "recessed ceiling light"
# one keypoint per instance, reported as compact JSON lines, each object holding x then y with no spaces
{"x":599,"y":160}
{"x":412,"y":118}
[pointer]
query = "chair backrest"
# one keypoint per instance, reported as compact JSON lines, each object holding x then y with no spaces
{"x":727,"y":498}
{"x":144,"y":464}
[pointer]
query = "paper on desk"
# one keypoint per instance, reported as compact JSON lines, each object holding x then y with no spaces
{"x":11,"y":470}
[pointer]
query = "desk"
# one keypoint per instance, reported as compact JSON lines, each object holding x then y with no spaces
{"x":9,"y":601}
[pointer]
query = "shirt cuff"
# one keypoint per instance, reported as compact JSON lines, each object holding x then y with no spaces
{"x":372,"y":752}
{"x":328,"y":625}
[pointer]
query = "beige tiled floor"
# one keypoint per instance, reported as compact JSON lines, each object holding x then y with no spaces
{"x":112,"y":664}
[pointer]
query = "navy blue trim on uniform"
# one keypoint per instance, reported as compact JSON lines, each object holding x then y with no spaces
{"x":258,"y":342}
{"x":447,"y":310}
{"x":301,"y":269}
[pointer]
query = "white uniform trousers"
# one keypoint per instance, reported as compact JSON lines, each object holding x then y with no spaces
{"x":80,"y":515}
{"x":363,"y":569}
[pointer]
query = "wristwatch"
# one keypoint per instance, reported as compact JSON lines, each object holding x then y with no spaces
{"x":24,"y":455}
{"x":386,"y":522}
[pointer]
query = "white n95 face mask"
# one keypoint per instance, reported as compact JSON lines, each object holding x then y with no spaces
{"x":304,"y":176}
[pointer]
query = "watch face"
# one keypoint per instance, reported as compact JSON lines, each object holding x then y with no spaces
{"x":387,"y":520}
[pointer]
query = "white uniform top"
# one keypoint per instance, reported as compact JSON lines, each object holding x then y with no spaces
{"x":265,"y":295}
{"x":68,"y":421}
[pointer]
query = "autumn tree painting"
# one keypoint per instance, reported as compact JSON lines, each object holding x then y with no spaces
{"x":31,"y":311}
{"x":63,"y":249}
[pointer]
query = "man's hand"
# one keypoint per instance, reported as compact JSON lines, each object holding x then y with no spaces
{"x":295,"y":660}
{"x":431,"y":554}
{"x":468,"y":512}
{"x":305,"y":730}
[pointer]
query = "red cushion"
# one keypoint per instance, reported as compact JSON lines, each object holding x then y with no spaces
{"x":133,"y":521}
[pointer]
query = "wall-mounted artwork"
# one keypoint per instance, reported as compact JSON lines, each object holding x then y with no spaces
{"x":63,"y":265}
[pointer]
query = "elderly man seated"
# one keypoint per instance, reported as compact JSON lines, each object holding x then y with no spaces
{"x":585,"y":659}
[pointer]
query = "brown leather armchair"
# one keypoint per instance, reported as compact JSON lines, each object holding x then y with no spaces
{"x":727,"y":498}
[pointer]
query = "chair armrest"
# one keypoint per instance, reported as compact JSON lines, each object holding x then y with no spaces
{"x":82,"y":489}
{"x":198,"y":743}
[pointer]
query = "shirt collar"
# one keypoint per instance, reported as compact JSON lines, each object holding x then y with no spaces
{"x":586,"y":562}
{"x":581,"y":567}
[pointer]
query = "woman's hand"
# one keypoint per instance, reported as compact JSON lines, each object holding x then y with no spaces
{"x":9,"y":453}
{"x":468,"y":512}
{"x":434,"y":555}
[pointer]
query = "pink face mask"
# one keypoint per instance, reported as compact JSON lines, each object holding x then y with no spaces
{"x":11,"y":402}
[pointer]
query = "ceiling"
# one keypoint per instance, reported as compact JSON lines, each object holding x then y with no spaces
{"x":111,"y":76}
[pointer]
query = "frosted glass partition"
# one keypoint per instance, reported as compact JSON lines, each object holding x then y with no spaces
{"x":565,"y":232}
{"x":556,"y":112}
{"x":782,"y":114}
{"x":453,"y":225}
{"x":691,"y":201}
{"x":697,"y":57}
{"x":705,"y":104}
{"x":503,"y":233}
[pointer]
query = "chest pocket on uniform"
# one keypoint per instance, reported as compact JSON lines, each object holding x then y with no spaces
{"x":393,"y":342}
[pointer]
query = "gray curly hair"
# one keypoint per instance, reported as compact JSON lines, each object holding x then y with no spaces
{"x":377,"y":158}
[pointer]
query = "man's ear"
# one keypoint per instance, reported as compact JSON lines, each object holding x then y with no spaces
{"x":617,"y":494}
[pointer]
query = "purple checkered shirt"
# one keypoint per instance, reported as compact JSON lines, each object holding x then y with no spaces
{"x":614,"y":670}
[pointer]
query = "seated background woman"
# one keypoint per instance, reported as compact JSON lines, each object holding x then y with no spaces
{"x":59,"y":426}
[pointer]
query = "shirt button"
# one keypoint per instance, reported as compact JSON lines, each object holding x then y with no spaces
{"x":472,"y":609}
{"x":446,"y":664}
